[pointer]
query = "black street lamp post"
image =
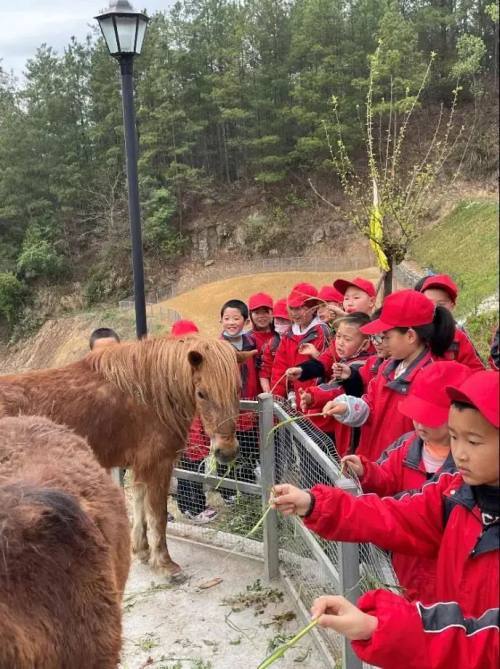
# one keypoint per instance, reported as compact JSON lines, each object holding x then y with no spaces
{"x":123,"y":30}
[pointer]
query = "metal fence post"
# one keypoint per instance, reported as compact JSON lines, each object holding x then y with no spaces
{"x":267,"y":466}
{"x":349,"y":578}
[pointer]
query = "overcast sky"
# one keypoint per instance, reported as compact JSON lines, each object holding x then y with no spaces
{"x":26,"y":24}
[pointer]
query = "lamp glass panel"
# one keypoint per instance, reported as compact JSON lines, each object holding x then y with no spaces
{"x":108,"y":31}
{"x":126,"y":27}
{"x":141,"y":31}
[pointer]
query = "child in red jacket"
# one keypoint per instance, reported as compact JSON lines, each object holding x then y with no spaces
{"x":302,"y":304}
{"x":414,"y":459}
{"x":191,"y":498}
{"x":415,"y":331}
{"x":260,"y":306}
{"x":359,"y":294}
{"x":443,"y":291}
{"x":330,"y":306}
{"x":351,"y":350}
{"x":282,"y":324}
{"x":455,"y":518}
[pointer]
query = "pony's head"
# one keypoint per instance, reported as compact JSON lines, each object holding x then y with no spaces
{"x":217,"y":387}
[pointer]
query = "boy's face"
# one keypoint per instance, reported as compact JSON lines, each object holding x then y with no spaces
{"x":232,"y":321}
{"x":439,"y":436}
{"x":349,"y":340}
{"x":356,"y":299}
{"x":380,"y":343}
{"x":262,"y":318}
{"x":440,"y":298}
{"x":301,"y":315}
{"x":474,"y":444}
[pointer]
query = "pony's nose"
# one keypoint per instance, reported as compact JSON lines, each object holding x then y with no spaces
{"x":226,"y":455}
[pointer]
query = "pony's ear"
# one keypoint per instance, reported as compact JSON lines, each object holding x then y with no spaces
{"x":195,"y":359}
{"x":243,"y":356}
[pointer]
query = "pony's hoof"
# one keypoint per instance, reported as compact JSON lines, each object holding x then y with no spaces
{"x":143,"y":556}
{"x":178,"y":578}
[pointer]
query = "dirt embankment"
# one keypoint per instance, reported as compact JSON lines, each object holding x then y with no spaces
{"x":64,"y":340}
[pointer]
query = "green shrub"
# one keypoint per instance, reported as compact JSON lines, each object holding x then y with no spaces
{"x":39,"y":257}
{"x":481,"y":328}
{"x":12,"y":295}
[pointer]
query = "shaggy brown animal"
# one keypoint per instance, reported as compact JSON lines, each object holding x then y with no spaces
{"x":64,"y":551}
{"x":134,"y":403}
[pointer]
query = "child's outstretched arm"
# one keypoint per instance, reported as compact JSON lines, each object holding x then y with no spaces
{"x":411,"y":525}
{"x":390,"y":632}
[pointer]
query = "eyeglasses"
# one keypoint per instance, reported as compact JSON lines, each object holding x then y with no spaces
{"x":377,"y":339}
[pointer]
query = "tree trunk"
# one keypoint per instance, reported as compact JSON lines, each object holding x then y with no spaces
{"x":388,"y":281}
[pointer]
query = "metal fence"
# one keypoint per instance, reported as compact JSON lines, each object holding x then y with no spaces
{"x":308,"y":566}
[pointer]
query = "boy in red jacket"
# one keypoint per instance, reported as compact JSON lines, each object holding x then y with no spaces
{"x":414,"y":459}
{"x":443,"y":291}
{"x":359,"y":294}
{"x":456,"y":519}
{"x":282,"y":325}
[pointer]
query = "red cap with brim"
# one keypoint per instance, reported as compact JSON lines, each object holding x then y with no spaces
{"x":280,"y":310}
{"x":330,"y":294}
{"x":260,"y":300}
{"x":183,"y":327}
{"x":403,"y":309}
{"x":301,"y":294}
{"x":363,"y":284}
{"x":428,"y":402}
{"x":442,"y":282}
{"x":482,"y":391}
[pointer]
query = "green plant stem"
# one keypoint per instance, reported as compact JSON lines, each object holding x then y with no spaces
{"x":279,"y":652}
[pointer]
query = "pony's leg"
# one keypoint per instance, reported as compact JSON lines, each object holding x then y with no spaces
{"x":140,"y":544}
{"x":156,"y":509}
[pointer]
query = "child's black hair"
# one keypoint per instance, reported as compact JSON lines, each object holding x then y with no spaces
{"x":376,"y":314}
{"x":420,"y":283}
{"x":235,"y":304}
{"x":460,"y":405}
{"x":102,"y":333}
{"x":358,"y":318}
{"x":439,"y":334}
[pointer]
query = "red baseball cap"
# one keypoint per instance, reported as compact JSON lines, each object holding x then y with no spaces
{"x":183,"y":327}
{"x":428,"y":402}
{"x":443,"y":282}
{"x":480,"y":389}
{"x":403,"y":309}
{"x":260,"y":300}
{"x":330,"y":294}
{"x":363,"y":284}
{"x":280,"y":310}
{"x":302,"y":293}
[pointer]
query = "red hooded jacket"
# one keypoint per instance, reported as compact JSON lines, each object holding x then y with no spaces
{"x":385,"y":423}
{"x":413,"y":636}
{"x":250,"y":386}
{"x":261,"y":338}
{"x":198,"y":445}
{"x":441,"y":521}
{"x":288,"y":355}
{"x":400,"y":468}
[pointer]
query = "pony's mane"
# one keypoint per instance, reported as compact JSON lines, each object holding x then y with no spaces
{"x":157,"y":373}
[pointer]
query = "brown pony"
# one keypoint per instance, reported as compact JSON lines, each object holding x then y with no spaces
{"x":64,"y":550}
{"x":134,"y":402}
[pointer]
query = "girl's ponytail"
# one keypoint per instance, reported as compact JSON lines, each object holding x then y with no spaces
{"x":438,"y":335}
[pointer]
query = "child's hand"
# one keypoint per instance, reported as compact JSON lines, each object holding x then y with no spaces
{"x":289,"y":500}
{"x":354,"y":462}
{"x":306,"y":400}
{"x":332,"y":409}
{"x":294,"y":372}
{"x":309,"y":349}
{"x":340,"y":371}
{"x":338,"y":311}
{"x":340,"y":615}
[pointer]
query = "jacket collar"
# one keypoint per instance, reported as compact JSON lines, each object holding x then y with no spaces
{"x":489,"y":538}
{"x":401,"y":384}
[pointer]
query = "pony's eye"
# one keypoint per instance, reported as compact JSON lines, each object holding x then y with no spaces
{"x":201,"y":395}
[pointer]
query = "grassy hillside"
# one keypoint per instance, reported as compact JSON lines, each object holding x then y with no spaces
{"x":465,"y":245}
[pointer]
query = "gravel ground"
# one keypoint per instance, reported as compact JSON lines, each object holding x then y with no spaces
{"x":227,"y":626}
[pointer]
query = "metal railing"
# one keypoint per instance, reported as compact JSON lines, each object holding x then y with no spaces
{"x":306,"y":565}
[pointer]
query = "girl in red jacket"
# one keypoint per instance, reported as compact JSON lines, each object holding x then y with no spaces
{"x":260,"y":306}
{"x":414,"y":459}
{"x":302,"y":304}
{"x":282,"y":324}
{"x":415,"y":331}
{"x":456,"y":519}
{"x":443,"y":291}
